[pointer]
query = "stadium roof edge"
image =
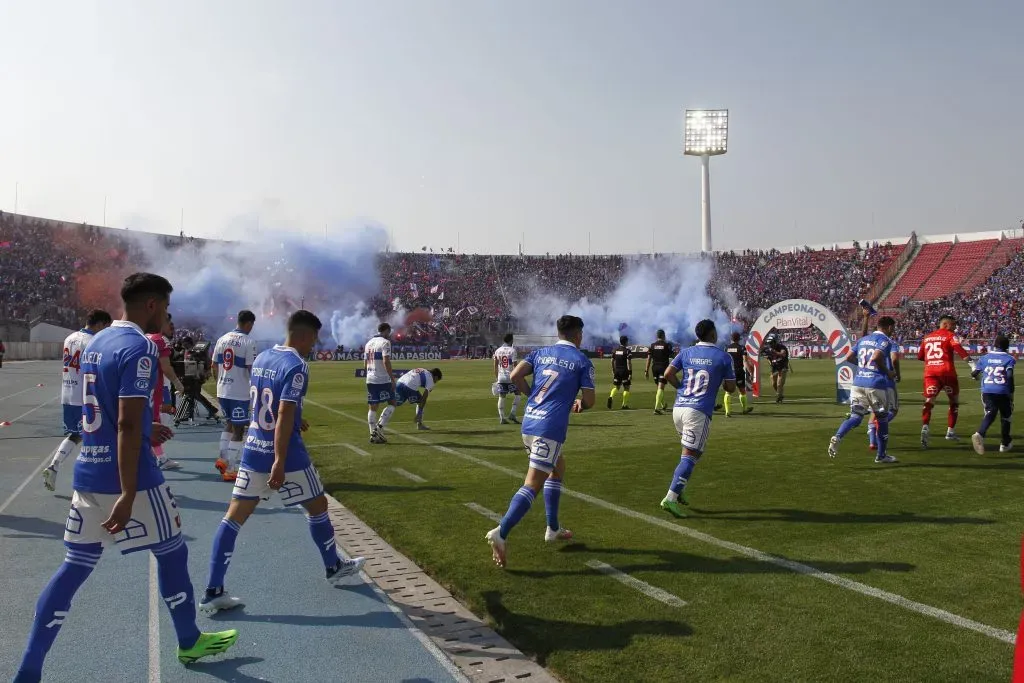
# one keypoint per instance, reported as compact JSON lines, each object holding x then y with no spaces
{"x":923,"y":239}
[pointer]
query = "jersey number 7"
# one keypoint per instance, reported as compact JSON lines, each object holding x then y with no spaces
{"x":551,"y":375}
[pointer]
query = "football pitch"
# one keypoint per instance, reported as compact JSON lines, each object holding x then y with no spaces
{"x":790,"y":566}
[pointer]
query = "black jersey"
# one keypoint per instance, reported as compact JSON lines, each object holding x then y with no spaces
{"x":620,"y":359}
{"x":737,"y":353}
{"x":661,"y":354}
{"x":779,"y":358}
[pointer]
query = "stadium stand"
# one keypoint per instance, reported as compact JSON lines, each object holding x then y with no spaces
{"x":921,"y":269}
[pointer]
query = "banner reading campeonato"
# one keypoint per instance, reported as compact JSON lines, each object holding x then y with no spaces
{"x":795,"y":314}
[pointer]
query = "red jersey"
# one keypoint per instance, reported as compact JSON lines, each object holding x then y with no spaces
{"x":163,"y":351}
{"x":937,"y":351}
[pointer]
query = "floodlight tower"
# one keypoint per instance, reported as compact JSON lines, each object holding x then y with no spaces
{"x":705,"y":134}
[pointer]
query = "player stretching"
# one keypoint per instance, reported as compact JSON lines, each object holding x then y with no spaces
{"x":380,"y":382}
{"x":560,"y":372}
{"x":739,"y":368}
{"x":163,"y":411}
{"x":996,"y":371}
{"x":275,"y":459}
{"x":504,"y":361}
{"x":873,"y":355}
{"x":232,"y":358}
{"x":120,"y":497}
{"x":704,"y":368}
{"x":71,"y":392}
{"x":937,"y":351}
{"x":658,"y":356}
{"x":407,"y":389}
{"x":622,"y":372}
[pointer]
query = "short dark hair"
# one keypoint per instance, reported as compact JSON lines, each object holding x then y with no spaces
{"x":1002,"y":342}
{"x":886,"y":321}
{"x":623,"y":340}
{"x":508,"y":338}
{"x":383,"y":327}
{"x":660,"y":334}
{"x":169,"y":317}
{"x":569,"y":323}
{"x":246,"y":316}
{"x":436,"y":373}
{"x":948,"y":317}
{"x":704,"y":329}
{"x":138,"y":287}
{"x":304,"y":319}
{"x":98,"y":316}
{"x":735,"y":336}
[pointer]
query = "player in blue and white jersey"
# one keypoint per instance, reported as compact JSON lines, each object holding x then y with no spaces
{"x":407,"y":390}
{"x":275,"y":459}
{"x":697,"y":373}
{"x":871,"y":384}
{"x":233,"y":356}
{"x":380,"y":382}
{"x":120,"y":498}
{"x":891,"y":389}
{"x":560,"y":373}
{"x":71,"y":391}
{"x":995,"y":369}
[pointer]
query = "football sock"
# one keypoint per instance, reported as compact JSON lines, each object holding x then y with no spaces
{"x":625,"y":398}
{"x":323,"y":535}
{"x":954,"y":413}
{"x":176,"y":589}
{"x":552,"y":494}
{"x":223,"y":549}
{"x":727,"y":402}
{"x":682,"y":475}
{"x":53,"y":606}
{"x":419,"y":414}
{"x":66,"y":448}
{"x":926,"y":414}
{"x":385,"y":417}
{"x":225,"y":439}
{"x":743,"y":402}
{"x":234,"y":455}
{"x":501,"y":407}
{"x":659,"y":396}
{"x":883,"y":435}
{"x":873,"y":432}
{"x":850,"y":423}
{"x":517,"y":509}
{"x":371,"y":419}
{"x":615,"y":390}
{"x":515,"y":404}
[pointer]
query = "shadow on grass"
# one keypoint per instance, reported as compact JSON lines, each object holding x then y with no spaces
{"x":541,"y":637}
{"x":796,"y":515}
{"x":350,"y":486}
{"x":1000,"y":465}
{"x":676,"y":561}
{"x":478,"y":446}
{"x":470,"y":432}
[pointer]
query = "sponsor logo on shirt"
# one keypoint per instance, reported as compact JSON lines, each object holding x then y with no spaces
{"x":144,"y":368}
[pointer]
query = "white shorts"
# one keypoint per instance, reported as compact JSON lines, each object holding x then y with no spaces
{"x":300,"y":486}
{"x":154,"y":520}
{"x":693,"y":427}
{"x":869,"y":400}
{"x":544,"y":453}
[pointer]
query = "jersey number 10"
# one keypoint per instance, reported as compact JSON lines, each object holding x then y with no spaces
{"x":697,"y":382}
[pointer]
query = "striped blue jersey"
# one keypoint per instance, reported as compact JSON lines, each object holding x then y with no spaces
{"x":278,"y":374}
{"x":559,"y":372}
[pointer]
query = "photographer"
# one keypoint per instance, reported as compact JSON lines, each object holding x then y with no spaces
{"x":192,"y":365}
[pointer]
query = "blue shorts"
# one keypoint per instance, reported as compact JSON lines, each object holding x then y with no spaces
{"x":506,"y":388}
{"x":235,"y":412}
{"x":378,"y":393}
{"x":72,"y":420}
{"x":406,"y":394}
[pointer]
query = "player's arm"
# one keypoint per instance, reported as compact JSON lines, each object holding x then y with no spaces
{"x":878,"y":358}
{"x":495,"y":359}
{"x":629,"y":363}
{"x":282,"y":436}
{"x":672,"y":373}
{"x":920,"y":349}
{"x":729,"y":378}
{"x":588,"y":391}
{"x":523,"y":370}
{"x":1009,"y":378}
{"x":864,"y":325}
{"x":647,"y":368}
{"x":168,"y":370}
{"x":895,"y":356}
{"x":423,"y":398}
{"x":386,"y":352}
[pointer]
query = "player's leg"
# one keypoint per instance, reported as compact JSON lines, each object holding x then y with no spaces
{"x":781,"y":390}
{"x":859,"y":407}
{"x":237,"y":419}
{"x":1005,"y":413}
{"x":991,"y":413}
{"x":932,"y":387}
{"x":693,"y":427}
{"x":249,"y":488}
{"x":502,"y":401}
{"x":659,"y":394}
{"x":626,"y":386}
{"x":322,"y":532}
{"x":516,"y":396}
{"x":552,"y":497}
{"x":952,"y":389}
{"x":741,"y":386}
{"x":70,"y":444}
{"x":727,"y":404}
{"x":225,"y":439}
{"x":615,"y":389}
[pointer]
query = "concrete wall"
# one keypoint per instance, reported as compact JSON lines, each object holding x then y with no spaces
{"x":45,"y":332}
{"x":34,"y":350}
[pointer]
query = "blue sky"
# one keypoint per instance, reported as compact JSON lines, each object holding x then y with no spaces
{"x":483,"y":124}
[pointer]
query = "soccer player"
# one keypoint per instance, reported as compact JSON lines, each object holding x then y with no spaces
{"x":996,"y":371}
{"x":704,"y":368}
{"x":892,"y":394}
{"x":560,"y":373}
{"x":120,"y":498}
{"x":163,"y":411}
{"x":778,"y":359}
{"x":71,"y":392}
{"x":380,"y":382}
{"x":232,"y":358}
{"x":739,"y":369}
{"x":407,"y":389}
{"x":659,"y":354}
{"x":622,"y":372}
{"x":504,"y":361}
{"x":870,"y":393}
{"x":275,"y":459}
{"x":937,"y":351}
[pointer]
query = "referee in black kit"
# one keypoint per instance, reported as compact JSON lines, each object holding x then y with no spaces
{"x":659,"y":355}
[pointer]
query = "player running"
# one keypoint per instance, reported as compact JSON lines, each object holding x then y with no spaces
{"x":71,"y":392}
{"x":873,"y":355}
{"x":892,"y":399}
{"x":996,"y":372}
{"x":622,"y":372}
{"x":504,"y":360}
{"x":659,"y":355}
{"x":233,"y":356}
{"x":739,"y":367}
{"x":120,"y":497}
{"x":163,"y":411}
{"x":704,"y":368}
{"x":937,"y":351}
{"x":560,"y":372}
{"x":275,"y":459}
{"x":778,"y":359}
{"x":407,"y":390}
{"x":380,"y":382}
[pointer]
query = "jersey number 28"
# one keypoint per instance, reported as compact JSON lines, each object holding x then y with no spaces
{"x":262,"y":408}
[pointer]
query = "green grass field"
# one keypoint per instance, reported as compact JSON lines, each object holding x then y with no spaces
{"x":941,"y":528}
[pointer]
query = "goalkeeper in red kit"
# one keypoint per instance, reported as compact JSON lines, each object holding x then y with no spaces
{"x":937,"y":351}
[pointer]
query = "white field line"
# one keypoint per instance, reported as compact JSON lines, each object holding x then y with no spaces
{"x":154,"y":622}
{"x":409,"y":475}
{"x":481,"y":510}
{"x":356,"y":449}
{"x":642,"y":586}
{"x":753,"y":553}
{"x":29,"y":412}
{"x":17,"y":393}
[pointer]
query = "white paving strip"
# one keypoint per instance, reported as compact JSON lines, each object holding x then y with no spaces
{"x":642,"y":586}
{"x":753,"y":553}
{"x":408,"y":475}
{"x":481,"y":510}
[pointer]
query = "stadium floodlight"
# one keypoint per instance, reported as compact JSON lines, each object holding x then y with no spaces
{"x":705,"y":134}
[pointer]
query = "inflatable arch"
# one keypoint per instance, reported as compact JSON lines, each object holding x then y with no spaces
{"x":798,"y":314}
